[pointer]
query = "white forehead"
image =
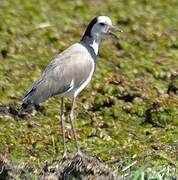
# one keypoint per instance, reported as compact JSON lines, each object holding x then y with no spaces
{"x":104,"y":19}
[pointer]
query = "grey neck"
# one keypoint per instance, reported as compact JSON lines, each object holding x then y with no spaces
{"x":92,"y":42}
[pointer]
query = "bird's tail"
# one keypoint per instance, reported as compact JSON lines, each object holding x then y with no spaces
{"x":25,"y":106}
{"x":27,"y":101}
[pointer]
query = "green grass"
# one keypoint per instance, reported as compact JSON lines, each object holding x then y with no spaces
{"x":125,"y":113}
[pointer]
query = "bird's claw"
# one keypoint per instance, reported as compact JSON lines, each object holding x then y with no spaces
{"x":65,"y":156}
{"x":79,"y":153}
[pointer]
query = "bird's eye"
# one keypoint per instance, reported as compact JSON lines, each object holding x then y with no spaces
{"x":101,"y":24}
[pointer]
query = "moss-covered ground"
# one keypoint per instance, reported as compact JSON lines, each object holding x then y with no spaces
{"x":128,"y":116}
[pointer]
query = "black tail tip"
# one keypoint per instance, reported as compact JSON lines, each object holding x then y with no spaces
{"x":24,"y":106}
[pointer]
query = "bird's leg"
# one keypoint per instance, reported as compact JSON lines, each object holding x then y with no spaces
{"x":63,"y":128}
{"x":73,"y":128}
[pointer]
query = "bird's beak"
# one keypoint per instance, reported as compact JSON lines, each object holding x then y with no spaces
{"x":113,"y":28}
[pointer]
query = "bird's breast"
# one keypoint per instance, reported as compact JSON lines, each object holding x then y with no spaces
{"x":80,"y":78}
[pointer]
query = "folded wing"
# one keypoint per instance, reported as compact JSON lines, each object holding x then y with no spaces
{"x":67,"y":71}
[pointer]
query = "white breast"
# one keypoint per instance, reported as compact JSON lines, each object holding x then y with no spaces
{"x":73,"y":92}
{"x":79,"y":89}
{"x":88,"y":55}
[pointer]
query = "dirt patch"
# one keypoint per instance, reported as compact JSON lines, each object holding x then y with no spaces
{"x":78,"y":167}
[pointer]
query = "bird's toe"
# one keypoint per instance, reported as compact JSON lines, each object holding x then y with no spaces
{"x":79,"y":153}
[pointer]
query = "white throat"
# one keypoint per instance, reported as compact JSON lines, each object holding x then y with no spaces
{"x":92,"y":42}
{"x":95,"y":45}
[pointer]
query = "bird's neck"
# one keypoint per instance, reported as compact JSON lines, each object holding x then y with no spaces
{"x":92,"y":42}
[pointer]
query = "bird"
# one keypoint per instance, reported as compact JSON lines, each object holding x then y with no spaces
{"x":69,"y":73}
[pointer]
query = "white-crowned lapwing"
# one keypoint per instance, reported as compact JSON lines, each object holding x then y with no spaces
{"x":70,"y":72}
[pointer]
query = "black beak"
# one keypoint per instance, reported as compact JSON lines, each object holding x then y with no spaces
{"x":110,"y":31}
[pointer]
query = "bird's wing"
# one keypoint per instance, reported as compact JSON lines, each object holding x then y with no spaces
{"x":70,"y":68}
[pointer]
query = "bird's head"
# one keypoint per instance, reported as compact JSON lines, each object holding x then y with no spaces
{"x":100,"y":26}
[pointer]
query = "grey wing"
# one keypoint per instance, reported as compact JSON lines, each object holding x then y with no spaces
{"x":59,"y":75}
{"x":45,"y":87}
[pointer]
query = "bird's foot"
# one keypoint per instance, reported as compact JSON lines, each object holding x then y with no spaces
{"x":65,"y":156}
{"x":79,"y":153}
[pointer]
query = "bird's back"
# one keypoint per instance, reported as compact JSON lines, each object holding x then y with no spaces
{"x":64,"y":76}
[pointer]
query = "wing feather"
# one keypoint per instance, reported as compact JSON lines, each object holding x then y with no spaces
{"x":74,"y":64}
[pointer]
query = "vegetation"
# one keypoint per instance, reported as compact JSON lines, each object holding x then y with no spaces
{"x":127,"y":117}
